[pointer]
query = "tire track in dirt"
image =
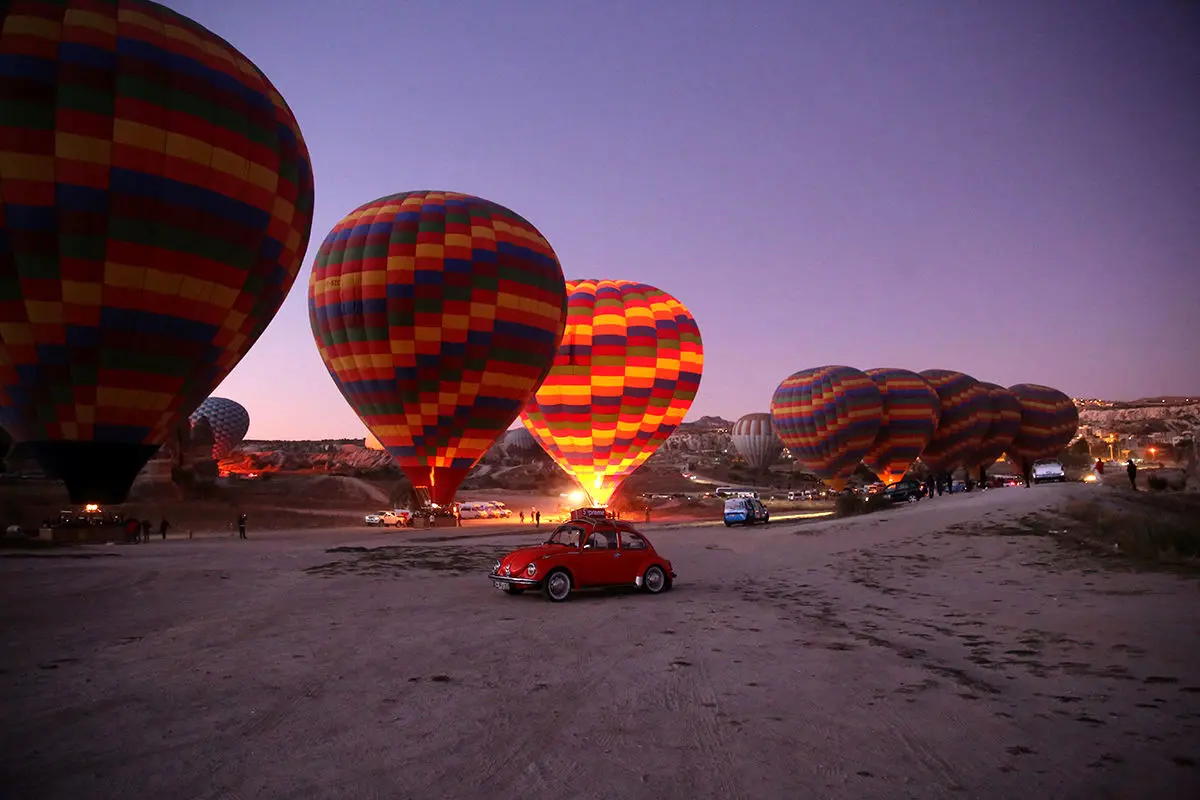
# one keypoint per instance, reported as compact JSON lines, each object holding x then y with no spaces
{"x":503,"y":749}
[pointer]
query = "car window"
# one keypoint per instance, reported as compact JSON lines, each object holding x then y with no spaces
{"x":632,"y":541}
{"x":601,"y":540}
{"x":567,"y":534}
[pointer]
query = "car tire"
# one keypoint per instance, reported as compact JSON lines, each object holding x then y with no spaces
{"x":912,"y":498}
{"x":655,"y":580}
{"x":728,"y":524}
{"x":557,"y":586}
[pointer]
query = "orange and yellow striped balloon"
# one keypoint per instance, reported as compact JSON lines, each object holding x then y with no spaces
{"x":626,"y":373}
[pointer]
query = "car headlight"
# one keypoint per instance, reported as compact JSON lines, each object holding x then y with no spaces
{"x":531,"y":570}
{"x":496,"y":568}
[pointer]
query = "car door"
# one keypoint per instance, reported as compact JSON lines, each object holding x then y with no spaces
{"x":635,"y":557}
{"x":598,"y":563}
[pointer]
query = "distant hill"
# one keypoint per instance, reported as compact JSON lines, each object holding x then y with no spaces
{"x":705,"y":424}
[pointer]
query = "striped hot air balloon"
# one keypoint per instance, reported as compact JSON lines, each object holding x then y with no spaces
{"x":625,"y":376}
{"x":911,"y":410}
{"x":1004,"y":427}
{"x":828,"y":417}
{"x":965,"y":415}
{"x":1049,"y":421}
{"x":229,"y":421}
{"x":156,"y":199}
{"x":755,"y":438}
{"x":438,"y":315}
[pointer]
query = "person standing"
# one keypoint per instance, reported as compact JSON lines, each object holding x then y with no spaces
{"x":1132,"y":470}
{"x":162,"y":528}
{"x":537,"y":518}
{"x":457,"y":517}
{"x":522,"y":516}
{"x":241,"y":526}
{"x":145,"y":530}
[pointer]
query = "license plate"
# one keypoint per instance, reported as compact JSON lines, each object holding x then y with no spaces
{"x":498,"y":584}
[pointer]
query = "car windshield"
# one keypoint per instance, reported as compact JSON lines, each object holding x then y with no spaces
{"x":566,"y":535}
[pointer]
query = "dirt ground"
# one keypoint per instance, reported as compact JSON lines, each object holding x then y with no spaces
{"x":931,"y":650}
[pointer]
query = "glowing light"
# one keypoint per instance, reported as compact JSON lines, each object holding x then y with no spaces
{"x":577,"y":497}
{"x":1090,"y":478}
{"x":91,"y":508}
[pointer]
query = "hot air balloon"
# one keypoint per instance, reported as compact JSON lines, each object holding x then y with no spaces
{"x":625,"y":376}
{"x":965,"y":416}
{"x":911,"y":409}
{"x":1004,"y":427}
{"x":520,"y":441}
{"x":1049,"y":420}
{"x":229,"y":421}
{"x":755,"y":438}
{"x":371,"y":442}
{"x":438,"y":315}
{"x":828,"y":417}
{"x":155,"y":204}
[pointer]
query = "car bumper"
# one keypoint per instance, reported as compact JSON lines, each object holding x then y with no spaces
{"x":512,"y":580}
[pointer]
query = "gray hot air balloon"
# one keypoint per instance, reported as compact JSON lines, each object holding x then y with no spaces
{"x":229,"y":421}
{"x":755,"y":438}
{"x":520,"y":442}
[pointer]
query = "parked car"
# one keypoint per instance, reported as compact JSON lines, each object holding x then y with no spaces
{"x":745,"y":511}
{"x":585,"y":554}
{"x":393,"y":518}
{"x":497,"y":509}
{"x":1048,"y":470}
{"x":907,"y":491}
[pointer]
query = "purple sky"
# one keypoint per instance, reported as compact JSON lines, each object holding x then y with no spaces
{"x":1010,"y":189}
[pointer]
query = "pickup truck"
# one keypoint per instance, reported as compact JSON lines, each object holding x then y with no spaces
{"x":1048,"y":471}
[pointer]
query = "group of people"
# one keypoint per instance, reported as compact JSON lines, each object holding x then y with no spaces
{"x":1130,"y":469}
{"x":139,"y":530}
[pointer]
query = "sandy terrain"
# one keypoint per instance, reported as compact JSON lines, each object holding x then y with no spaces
{"x":919,"y":652}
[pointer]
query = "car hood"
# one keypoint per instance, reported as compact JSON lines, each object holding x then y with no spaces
{"x":524,"y":555}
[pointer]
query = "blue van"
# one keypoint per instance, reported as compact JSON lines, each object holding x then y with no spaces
{"x":745,"y":511}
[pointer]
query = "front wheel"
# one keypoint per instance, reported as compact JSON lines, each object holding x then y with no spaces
{"x":655,"y":580}
{"x":558,"y":586}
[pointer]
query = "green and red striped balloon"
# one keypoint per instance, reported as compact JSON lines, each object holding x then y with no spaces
{"x":438,"y":315}
{"x":829,"y":418}
{"x":965,"y":416}
{"x":1004,"y":426}
{"x":1049,"y":421}
{"x":911,"y":409}
{"x":156,"y":200}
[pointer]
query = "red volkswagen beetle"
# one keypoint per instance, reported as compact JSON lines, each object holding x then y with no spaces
{"x":585,"y":553}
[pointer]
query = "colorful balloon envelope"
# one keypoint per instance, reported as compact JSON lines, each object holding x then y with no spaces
{"x":1004,"y":427}
{"x":829,"y":418}
{"x":156,"y":201}
{"x":965,"y":416}
{"x":911,"y":409}
{"x":1049,"y":421}
{"x":438,"y":315}
{"x":229,"y":421}
{"x":755,"y":438}
{"x":625,"y":376}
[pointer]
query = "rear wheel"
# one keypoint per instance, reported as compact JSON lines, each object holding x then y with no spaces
{"x":558,"y":586}
{"x":655,"y":580}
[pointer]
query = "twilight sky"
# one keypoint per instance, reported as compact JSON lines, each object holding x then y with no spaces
{"x":1010,"y":189}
